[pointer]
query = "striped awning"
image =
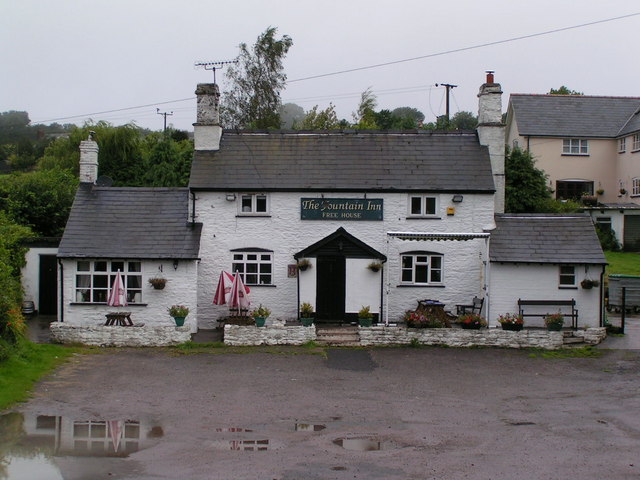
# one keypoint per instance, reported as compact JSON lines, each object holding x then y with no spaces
{"x":437,"y":236}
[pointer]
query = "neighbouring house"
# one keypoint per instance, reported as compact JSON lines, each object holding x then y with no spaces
{"x":546,"y":257}
{"x":143,"y":233}
{"x":589,"y":148}
{"x":40,"y":275}
{"x":337,"y":219}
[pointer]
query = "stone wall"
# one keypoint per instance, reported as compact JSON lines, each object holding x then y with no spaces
{"x":117,"y":336}
{"x":454,"y":337}
{"x":273,"y":335}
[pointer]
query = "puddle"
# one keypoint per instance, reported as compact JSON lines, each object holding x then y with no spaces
{"x":30,"y":442}
{"x":309,"y":427}
{"x":365,"y":444}
{"x":243,"y":445}
{"x":233,"y":429}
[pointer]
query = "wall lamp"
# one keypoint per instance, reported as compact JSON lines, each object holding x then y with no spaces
{"x":457,"y":198}
{"x":231,"y":197}
{"x":175,"y":264}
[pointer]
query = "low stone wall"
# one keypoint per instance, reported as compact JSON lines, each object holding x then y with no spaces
{"x":269,"y":335}
{"x":117,"y":336}
{"x":592,"y":336}
{"x":455,"y":337}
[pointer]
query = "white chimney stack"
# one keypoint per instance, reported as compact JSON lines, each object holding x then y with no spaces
{"x":88,"y":160}
{"x":207,"y":130}
{"x":491,"y":133}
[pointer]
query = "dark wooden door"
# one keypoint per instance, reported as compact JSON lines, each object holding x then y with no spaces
{"x":632,"y":233}
{"x":48,"y":285}
{"x":330,"y":289}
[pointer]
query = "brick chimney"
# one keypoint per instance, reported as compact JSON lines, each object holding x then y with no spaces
{"x":491,"y":133}
{"x":88,"y":160}
{"x":207,"y":130}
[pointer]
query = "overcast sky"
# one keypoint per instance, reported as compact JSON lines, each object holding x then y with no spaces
{"x":69,"y":58}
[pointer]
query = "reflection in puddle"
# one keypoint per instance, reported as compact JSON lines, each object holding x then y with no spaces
{"x":233,"y":429}
{"x":244,"y":445}
{"x":309,"y":427}
{"x":30,"y":441}
{"x":364,"y":444}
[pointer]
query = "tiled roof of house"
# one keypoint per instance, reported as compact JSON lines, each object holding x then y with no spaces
{"x":575,"y":115}
{"x":110,"y":222}
{"x":338,"y":161}
{"x":545,"y":238}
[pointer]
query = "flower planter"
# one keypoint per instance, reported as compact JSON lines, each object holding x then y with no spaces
{"x":260,"y":321}
{"x":364,"y":322}
{"x":554,"y":327}
{"x":471,"y":326}
{"x":512,"y":326}
{"x":179,"y":321}
{"x":306,"y":322}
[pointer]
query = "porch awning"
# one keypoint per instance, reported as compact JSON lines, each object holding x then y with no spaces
{"x":437,"y":236}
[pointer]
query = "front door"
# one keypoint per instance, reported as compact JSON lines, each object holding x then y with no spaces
{"x":330,"y":289}
{"x":48,"y":285}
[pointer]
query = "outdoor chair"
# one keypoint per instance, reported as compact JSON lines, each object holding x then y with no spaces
{"x":474,"y":307}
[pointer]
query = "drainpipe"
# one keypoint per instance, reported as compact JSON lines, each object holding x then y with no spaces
{"x":602,"y":297}
{"x":382,"y":304}
{"x":193,"y":208}
{"x":487,"y":273}
{"x":61,"y":316}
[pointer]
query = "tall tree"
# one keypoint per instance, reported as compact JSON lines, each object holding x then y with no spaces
{"x":253,"y":99}
{"x":291,"y":115}
{"x":564,"y":91}
{"x":365,"y":116}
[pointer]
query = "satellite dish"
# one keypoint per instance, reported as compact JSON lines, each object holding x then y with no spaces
{"x":104,"y":181}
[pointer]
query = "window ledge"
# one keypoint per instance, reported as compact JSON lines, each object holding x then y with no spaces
{"x":259,"y":285}
{"x":105,"y":304}
{"x":406,"y":285}
{"x":567,"y":287}
{"x":636,"y":150}
{"x":575,"y":154}
{"x":430,"y":217}
{"x":253,"y":215}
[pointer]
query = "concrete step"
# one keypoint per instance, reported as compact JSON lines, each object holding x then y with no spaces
{"x":338,"y":336}
{"x":570,"y":340}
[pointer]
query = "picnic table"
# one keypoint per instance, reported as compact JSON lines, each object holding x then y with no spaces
{"x":122,"y":319}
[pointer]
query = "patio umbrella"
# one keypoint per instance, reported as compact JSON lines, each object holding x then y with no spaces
{"x":117,"y":295}
{"x":116,"y":429}
{"x":239,"y":295}
{"x":223,"y":292}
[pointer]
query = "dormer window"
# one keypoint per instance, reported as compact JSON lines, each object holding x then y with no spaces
{"x":253,"y":204}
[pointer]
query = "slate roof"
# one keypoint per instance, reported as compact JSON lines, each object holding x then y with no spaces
{"x":339,"y":161}
{"x":545,"y":238}
{"x":575,"y":115}
{"x":145,"y":223}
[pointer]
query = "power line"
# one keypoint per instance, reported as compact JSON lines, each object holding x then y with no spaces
{"x":463,"y":49}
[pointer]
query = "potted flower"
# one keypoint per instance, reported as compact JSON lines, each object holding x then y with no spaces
{"x":511,"y":321}
{"x":587,"y":284}
{"x":365,"y":316}
{"x":304,"y":264}
{"x":554,"y":321}
{"x":374,"y":266}
{"x":418,"y":320}
{"x":178,"y":312}
{"x":306,"y":314}
{"x":471,"y":321}
{"x":623,"y":191}
{"x":158,"y":282}
{"x":260,"y":315}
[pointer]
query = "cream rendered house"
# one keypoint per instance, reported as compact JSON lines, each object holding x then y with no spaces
{"x":587,"y":146}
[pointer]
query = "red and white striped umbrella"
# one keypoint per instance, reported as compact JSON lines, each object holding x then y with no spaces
{"x":239,"y":294}
{"x":117,"y":295}
{"x":223,"y":292}
{"x":116,"y":430}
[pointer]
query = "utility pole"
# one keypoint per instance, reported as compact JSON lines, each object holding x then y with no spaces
{"x":165,"y":115}
{"x":448,"y":86}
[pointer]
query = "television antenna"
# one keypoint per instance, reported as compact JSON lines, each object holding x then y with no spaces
{"x":214,"y":66}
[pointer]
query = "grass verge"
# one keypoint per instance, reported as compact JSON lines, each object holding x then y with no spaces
{"x":582,"y":352}
{"x":30,"y":363}
{"x":623,"y":263}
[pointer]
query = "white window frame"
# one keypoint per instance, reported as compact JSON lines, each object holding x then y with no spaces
{"x":410,"y":262}
{"x":636,"y":143}
{"x":622,"y":144}
{"x":424,"y":210}
{"x":575,"y":146}
{"x":90,"y":286}
{"x":635,"y":186}
{"x":567,"y":276}
{"x":254,"y":206}
{"x":254,"y":265}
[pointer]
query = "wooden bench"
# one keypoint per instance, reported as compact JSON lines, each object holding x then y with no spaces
{"x":474,"y":307}
{"x":571,"y":312}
